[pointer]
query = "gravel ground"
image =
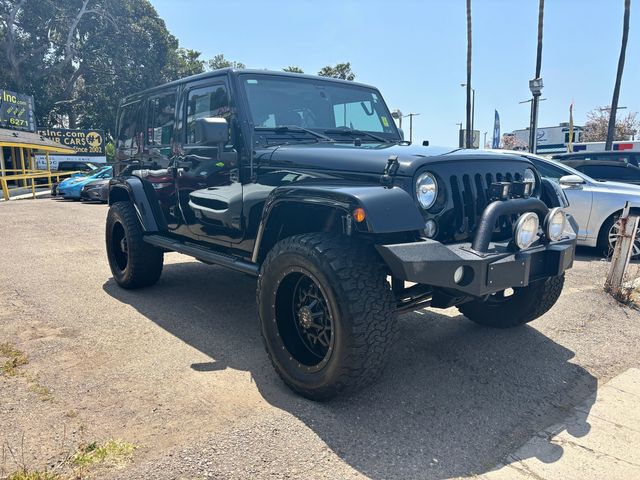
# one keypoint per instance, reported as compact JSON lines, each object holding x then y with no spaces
{"x":179,"y":370}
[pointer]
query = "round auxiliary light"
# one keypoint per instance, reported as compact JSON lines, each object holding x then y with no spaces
{"x":458,"y":275}
{"x":554,"y":224}
{"x":430,"y":228}
{"x":530,"y":176}
{"x":426,"y":190}
{"x":525,"y":231}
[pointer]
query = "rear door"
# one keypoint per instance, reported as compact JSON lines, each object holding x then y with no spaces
{"x":207,"y":180}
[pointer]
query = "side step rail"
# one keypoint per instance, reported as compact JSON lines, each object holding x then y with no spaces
{"x":203,"y":254}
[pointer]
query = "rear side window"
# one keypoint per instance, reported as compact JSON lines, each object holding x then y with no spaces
{"x":129,"y":131}
{"x":210,"y":101}
{"x":160,"y":119}
{"x":549,"y":171}
{"x":611,"y":172}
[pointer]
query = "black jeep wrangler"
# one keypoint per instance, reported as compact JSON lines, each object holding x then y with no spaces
{"x":306,"y":183}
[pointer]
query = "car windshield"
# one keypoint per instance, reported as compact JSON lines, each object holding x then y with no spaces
{"x":334,"y":109}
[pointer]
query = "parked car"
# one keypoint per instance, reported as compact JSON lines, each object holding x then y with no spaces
{"x":631,"y":157}
{"x":595,"y":205}
{"x":307,"y":184}
{"x":96,"y":190}
{"x":71,"y":187}
{"x":73,"y":166}
{"x":607,"y":171}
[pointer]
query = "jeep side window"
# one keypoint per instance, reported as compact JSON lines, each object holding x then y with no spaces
{"x":160,"y":119}
{"x":129,"y":133}
{"x":211,"y":101}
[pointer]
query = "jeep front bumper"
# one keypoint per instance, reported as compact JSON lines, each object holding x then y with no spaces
{"x":432,"y":263}
{"x":484,"y":267}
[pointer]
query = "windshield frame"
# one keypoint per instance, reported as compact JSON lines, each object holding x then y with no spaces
{"x":392,"y":137}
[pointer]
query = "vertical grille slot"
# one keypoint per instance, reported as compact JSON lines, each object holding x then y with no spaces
{"x":456,"y":196}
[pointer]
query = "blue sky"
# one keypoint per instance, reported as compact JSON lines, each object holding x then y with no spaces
{"x":415,"y":51}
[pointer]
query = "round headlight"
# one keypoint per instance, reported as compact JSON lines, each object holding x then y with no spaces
{"x":426,"y":190}
{"x":554,"y":224}
{"x":530,"y":177}
{"x":526,"y":230}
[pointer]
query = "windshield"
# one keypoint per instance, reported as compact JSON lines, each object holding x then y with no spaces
{"x":326,"y":107}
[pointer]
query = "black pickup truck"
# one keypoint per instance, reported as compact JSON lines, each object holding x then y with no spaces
{"x":307,"y":184}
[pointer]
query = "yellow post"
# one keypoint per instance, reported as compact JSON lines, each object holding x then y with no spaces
{"x":2,"y":166}
{"x":46,"y":156}
{"x":5,"y":189}
{"x":24,"y":182}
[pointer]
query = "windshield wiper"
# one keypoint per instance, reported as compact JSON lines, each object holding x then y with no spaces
{"x":353,"y":132}
{"x":294,"y":129}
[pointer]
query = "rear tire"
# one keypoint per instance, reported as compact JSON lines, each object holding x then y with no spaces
{"x":326,"y":312}
{"x":523,"y":306}
{"x":134,"y":263}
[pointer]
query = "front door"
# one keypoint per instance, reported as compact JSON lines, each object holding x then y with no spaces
{"x":207,"y":177}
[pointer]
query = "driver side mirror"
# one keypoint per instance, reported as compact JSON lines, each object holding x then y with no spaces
{"x":572,"y":181}
{"x":211,"y":131}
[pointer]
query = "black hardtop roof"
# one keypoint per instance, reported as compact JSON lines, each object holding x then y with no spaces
{"x":235,"y":71}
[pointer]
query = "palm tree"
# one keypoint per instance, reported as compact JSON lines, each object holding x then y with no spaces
{"x":469,"y":136}
{"x":533,"y":135}
{"x":616,"y":89}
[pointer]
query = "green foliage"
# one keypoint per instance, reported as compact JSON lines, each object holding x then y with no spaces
{"x":33,"y":475}
{"x":341,"y":70}
{"x":293,"y":69}
{"x":16,"y":358}
{"x":80,"y":57}
{"x":112,"y":451}
{"x":219,"y":62}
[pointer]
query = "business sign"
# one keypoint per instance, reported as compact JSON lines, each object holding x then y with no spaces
{"x":86,"y":143}
{"x":16,"y":111}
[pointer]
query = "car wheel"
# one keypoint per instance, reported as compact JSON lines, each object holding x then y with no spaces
{"x":608,"y":236}
{"x":516,"y":306}
{"x":134,"y":263}
{"x":326,"y":312}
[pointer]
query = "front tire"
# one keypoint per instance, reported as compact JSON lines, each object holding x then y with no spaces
{"x":608,"y":236}
{"x":134,"y":263}
{"x":326,"y":312}
{"x":523,"y":306}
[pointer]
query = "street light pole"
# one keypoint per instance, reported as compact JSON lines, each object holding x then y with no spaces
{"x":411,"y":115}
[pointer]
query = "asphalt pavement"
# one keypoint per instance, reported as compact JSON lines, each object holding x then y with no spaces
{"x":180,"y":371}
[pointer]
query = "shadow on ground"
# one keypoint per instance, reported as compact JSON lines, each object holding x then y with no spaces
{"x":454,"y":400}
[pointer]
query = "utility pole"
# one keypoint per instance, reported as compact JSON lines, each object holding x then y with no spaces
{"x":473,"y":113}
{"x":411,"y":115}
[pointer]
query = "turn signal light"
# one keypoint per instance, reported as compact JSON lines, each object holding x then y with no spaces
{"x":359,"y":215}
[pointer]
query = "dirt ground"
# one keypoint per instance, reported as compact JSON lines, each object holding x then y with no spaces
{"x":179,"y":370}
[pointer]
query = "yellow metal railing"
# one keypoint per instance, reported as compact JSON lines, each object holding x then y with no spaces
{"x":33,"y":175}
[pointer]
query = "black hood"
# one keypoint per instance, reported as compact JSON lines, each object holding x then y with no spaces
{"x":372,"y":158}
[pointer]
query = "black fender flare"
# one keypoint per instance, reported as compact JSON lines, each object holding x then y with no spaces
{"x":137,"y":195}
{"x":387,"y":210}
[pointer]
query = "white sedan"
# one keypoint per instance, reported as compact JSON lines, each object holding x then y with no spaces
{"x":595,"y":205}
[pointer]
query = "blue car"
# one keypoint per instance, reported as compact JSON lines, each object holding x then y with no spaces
{"x":71,"y":187}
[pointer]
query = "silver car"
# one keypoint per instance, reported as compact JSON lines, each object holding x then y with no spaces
{"x":595,"y":205}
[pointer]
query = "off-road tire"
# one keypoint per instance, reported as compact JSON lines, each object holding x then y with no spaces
{"x":525,"y":305}
{"x":142,"y":264}
{"x":359,"y":298}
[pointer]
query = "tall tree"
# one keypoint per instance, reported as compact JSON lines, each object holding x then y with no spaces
{"x":185,"y":62}
{"x":292,"y":69}
{"x":535,"y":101}
{"x":77,"y":61}
{"x":469,"y":132}
{"x":616,"y":89}
{"x":341,"y":70}
{"x":597,"y":125}
{"x":219,"y":62}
